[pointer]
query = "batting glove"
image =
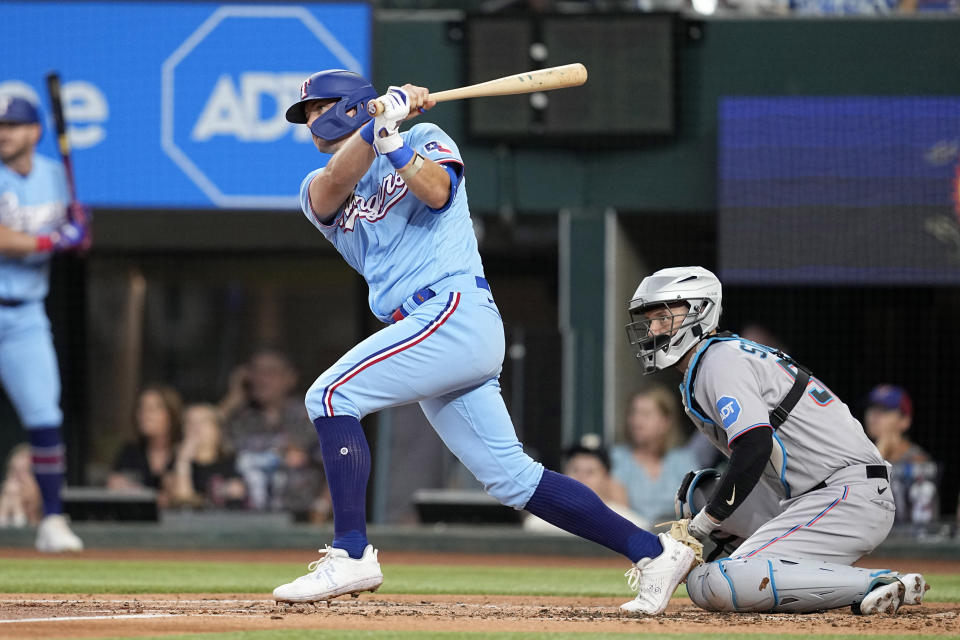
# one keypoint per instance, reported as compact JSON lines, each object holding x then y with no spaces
{"x":701,"y":526}
{"x":70,"y":235}
{"x":386,"y":126}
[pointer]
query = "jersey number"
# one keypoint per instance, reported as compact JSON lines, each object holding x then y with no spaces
{"x":816,"y":389}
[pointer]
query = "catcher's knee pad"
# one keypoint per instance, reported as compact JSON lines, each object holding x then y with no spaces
{"x":732,"y":585}
{"x":779,"y":584}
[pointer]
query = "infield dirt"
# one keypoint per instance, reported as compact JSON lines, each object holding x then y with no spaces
{"x":30,"y":616}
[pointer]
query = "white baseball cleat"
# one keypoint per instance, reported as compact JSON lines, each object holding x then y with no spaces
{"x":655,"y":579}
{"x":335,"y":574}
{"x":914,"y":588}
{"x":883,"y":599}
{"x":54,"y":535}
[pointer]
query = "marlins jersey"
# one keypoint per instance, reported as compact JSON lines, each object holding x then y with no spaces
{"x":733,"y":384}
{"x":34,"y":204}
{"x":397,"y":243}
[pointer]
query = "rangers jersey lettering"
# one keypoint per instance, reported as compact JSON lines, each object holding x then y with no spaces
{"x":394,"y":240}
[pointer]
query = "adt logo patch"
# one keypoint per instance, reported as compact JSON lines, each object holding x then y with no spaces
{"x":729,"y":410}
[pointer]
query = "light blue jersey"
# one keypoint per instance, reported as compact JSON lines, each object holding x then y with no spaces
{"x":445,"y":351}
{"x":34,"y":204}
{"x":391,"y":238}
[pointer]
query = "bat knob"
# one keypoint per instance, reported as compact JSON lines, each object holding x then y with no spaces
{"x":374,"y":108}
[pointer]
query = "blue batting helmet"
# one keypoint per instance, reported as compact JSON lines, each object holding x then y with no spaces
{"x":351,"y":90}
{"x":18,"y":110}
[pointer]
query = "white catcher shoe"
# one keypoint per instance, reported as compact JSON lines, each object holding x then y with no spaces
{"x":335,"y":574}
{"x":883,"y":599}
{"x":914,"y":588}
{"x":655,"y":579}
{"x":54,"y":535}
{"x":907,"y":589}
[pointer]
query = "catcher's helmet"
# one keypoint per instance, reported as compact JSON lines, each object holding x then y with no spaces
{"x":694,"y":286}
{"x":351,"y":90}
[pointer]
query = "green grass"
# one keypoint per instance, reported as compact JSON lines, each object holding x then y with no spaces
{"x":69,"y":575}
{"x":66,"y":575}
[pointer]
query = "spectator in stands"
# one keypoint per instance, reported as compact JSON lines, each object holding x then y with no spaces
{"x":590,"y":465}
{"x":204,"y":472}
{"x":651,"y":465}
{"x":20,"y":502}
{"x":143,"y":462}
{"x":914,"y":475}
{"x":300,"y":487}
{"x":761,"y":334}
{"x":264,"y":419}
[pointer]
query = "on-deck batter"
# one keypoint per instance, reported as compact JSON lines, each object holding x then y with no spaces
{"x":33,"y":223}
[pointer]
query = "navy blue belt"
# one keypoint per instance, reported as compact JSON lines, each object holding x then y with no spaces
{"x":7,"y":302}
{"x":425,"y":294}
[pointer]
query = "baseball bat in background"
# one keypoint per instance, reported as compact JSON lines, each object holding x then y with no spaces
{"x":568,"y":75}
{"x":63,"y":143}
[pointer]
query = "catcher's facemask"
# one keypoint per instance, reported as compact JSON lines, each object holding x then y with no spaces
{"x":652,"y":327}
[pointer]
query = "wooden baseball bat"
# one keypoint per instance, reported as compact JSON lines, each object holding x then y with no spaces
{"x":60,"y":123}
{"x":568,"y":75}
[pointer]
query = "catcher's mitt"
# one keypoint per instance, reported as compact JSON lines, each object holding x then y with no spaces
{"x":678,"y":531}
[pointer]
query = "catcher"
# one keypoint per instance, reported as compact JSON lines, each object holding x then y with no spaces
{"x":806,"y":493}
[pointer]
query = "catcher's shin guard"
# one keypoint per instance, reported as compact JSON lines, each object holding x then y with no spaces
{"x":780,"y":585}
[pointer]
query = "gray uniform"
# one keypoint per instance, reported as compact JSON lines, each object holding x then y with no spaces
{"x":730,"y":387}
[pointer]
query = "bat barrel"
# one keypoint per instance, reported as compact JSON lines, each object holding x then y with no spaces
{"x":562,"y":77}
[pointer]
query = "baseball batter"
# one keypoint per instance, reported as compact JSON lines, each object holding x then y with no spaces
{"x":33,"y":223}
{"x":395,"y":206}
{"x":806,"y":493}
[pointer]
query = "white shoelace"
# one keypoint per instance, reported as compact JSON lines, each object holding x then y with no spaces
{"x":325,"y":552}
{"x":633,"y":575}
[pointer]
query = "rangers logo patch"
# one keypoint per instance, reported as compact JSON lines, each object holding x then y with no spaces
{"x":729,"y":410}
{"x":436,"y":146}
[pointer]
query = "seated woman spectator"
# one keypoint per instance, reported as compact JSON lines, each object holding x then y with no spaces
{"x":264,"y":419}
{"x":143,"y":462}
{"x":914,"y":475}
{"x":20,"y":502}
{"x":300,"y":487}
{"x":651,"y":465}
{"x":591,"y":466}
{"x":204,"y":471}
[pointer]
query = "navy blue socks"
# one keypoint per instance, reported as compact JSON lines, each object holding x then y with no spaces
{"x":49,"y":464}
{"x":570,"y":505}
{"x":346,"y":461}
